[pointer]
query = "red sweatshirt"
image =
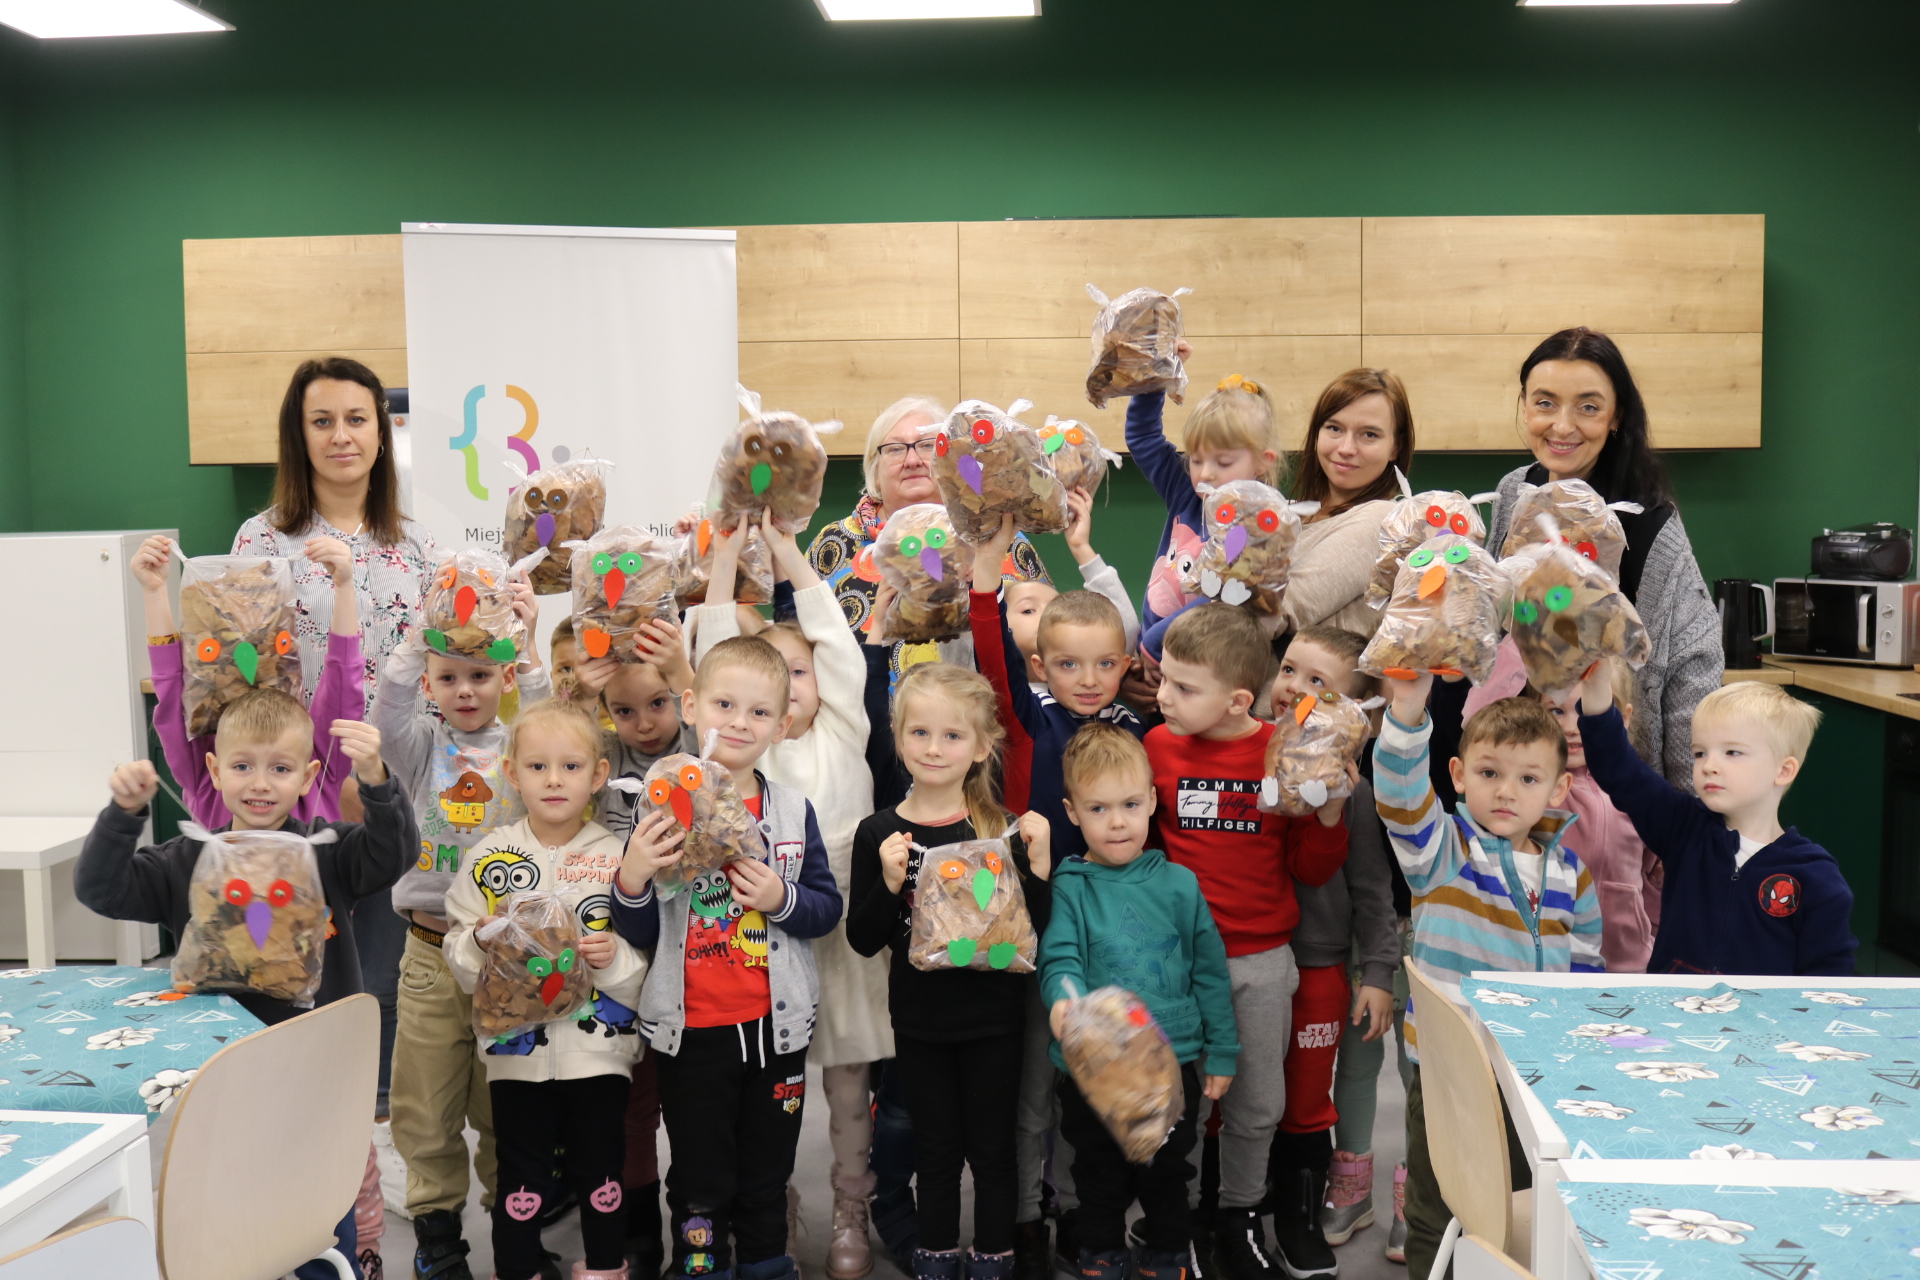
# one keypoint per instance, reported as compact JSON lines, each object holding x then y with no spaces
{"x":1209,"y":822}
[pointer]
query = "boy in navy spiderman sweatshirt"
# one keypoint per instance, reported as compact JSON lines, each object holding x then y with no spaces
{"x":1742,"y":896}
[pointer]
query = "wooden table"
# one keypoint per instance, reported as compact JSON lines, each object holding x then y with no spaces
{"x":1876,"y":687}
{"x":1694,"y":1074}
{"x":56,"y":1167}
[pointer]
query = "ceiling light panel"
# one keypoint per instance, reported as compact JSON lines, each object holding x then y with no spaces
{"x":78,"y":19}
{"x":896,"y":10}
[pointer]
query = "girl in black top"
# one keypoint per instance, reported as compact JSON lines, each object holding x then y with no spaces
{"x":958,"y":1033}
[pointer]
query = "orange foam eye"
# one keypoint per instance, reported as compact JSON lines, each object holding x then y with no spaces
{"x":690,"y":776}
{"x":953,"y":868}
{"x":283,"y":643}
{"x":486,"y":577}
{"x":1459,"y":525}
{"x":659,"y":791}
{"x":447,"y":575}
{"x":1076,"y":436}
{"x":1268,"y":520}
{"x":280,"y":893}
{"x":992,"y":862}
{"x":209,"y":650}
{"x":1436,"y":516}
{"x":1225,"y":514}
{"x":238,"y":892}
{"x":1139,"y":1017}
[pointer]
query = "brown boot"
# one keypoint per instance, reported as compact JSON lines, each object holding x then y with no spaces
{"x":849,"y":1256}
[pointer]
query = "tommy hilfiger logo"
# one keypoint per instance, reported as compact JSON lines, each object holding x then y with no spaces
{"x":1218,"y":804}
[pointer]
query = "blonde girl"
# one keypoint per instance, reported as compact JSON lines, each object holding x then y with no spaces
{"x":959,"y":1034}
{"x":1231,"y":434}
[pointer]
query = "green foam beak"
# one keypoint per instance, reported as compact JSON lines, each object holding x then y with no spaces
{"x":247,"y":658}
{"x":983,"y":887}
{"x":762,"y":477}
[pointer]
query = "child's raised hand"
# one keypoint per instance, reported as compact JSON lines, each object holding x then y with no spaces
{"x":526,"y":606}
{"x":991,"y":554}
{"x":1183,"y":351}
{"x":883,"y":598}
{"x":597,"y":949}
{"x":593,"y":675}
{"x":149,"y":563}
{"x":1216,"y":1087}
{"x":1407,"y":698}
{"x":1376,"y":1005}
{"x":1079,"y":530}
{"x":1141,"y":687}
{"x":134,"y":785}
{"x":1596,"y":690}
{"x":653,"y":844}
{"x":333,"y":554}
{"x":660,"y":643}
{"x":757,"y":886}
{"x":1038,"y":837}
{"x":685,"y":525}
{"x":361,"y":743}
{"x":894,"y":851}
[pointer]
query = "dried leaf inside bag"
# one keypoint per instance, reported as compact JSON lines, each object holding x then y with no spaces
{"x":468,"y":609}
{"x":257,"y":918}
{"x":693,"y":568}
{"x":701,"y":797}
{"x":988,"y":465}
{"x":1568,"y":612}
{"x":1077,"y":456}
{"x":564,"y":503}
{"x":930,"y":569}
{"x":531,"y":971}
{"x":1313,"y":742}
{"x":772,"y":461}
{"x":622,"y":579}
{"x":237,"y":621}
{"x":1124,"y":1067}
{"x":969,"y":911}
{"x":1251,"y":529}
{"x":1411,"y":522}
{"x":1444,"y":617}
{"x":1134,"y":339}
{"x":1587,"y":523}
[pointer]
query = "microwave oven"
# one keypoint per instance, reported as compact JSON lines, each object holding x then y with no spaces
{"x":1876,"y":623}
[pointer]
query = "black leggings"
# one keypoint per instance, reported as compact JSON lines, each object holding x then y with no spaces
{"x":531,"y":1119}
{"x":962,"y":1096}
{"x":1108,"y":1185}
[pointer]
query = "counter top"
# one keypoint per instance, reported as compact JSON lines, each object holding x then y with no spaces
{"x":1876,"y":687}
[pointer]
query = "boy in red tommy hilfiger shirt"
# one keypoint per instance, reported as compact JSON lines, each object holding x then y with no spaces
{"x":1208,"y":760}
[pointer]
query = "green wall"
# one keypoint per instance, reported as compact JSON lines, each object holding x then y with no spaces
{"x":13,"y":416}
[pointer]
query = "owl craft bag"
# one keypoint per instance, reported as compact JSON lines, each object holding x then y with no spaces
{"x":1124,"y":1067}
{"x":702,"y":798}
{"x":257,"y":915}
{"x":1135,"y":337}
{"x":1078,"y":457}
{"x":237,"y":620}
{"x":1584,"y":520}
{"x":969,"y":911}
{"x":1415,"y":517}
{"x":622,"y":579}
{"x":1251,"y":531}
{"x":693,"y":565}
{"x":989,"y":464}
{"x":564,"y":503}
{"x":772,"y":462}
{"x":1313,"y":742}
{"x":532,"y":971}
{"x":468,"y":608}
{"x":1568,"y":613}
{"x":930,"y":569}
{"x":1444,"y":618}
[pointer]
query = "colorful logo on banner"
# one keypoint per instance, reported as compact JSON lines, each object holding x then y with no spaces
{"x":519,"y":441}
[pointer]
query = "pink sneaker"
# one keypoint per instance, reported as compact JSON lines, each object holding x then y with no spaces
{"x":1397,"y":1234}
{"x":1349,"y":1196}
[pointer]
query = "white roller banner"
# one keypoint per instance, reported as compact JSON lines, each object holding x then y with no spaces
{"x":557,"y":342}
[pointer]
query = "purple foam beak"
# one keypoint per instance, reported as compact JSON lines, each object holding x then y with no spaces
{"x":1235,"y":542}
{"x":936,"y":567}
{"x":543,"y":527}
{"x":969,"y":468}
{"x":259,"y":922}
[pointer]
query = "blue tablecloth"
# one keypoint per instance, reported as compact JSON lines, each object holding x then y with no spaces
{"x":106,"y":1038}
{"x":1640,"y":1231}
{"x":26,"y":1143}
{"x":1651,"y":1073}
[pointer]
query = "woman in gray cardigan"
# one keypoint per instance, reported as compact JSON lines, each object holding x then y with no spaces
{"x":1585,"y":420}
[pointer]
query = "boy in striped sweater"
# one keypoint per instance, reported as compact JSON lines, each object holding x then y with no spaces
{"x":1494,"y":887}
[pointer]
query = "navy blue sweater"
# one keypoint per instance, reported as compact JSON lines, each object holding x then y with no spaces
{"x":1785,"y":913}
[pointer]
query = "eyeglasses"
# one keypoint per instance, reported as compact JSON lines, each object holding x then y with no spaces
{"x":895,"y":452}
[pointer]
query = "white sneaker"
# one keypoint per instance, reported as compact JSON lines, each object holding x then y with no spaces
{"x":393,"y":1170}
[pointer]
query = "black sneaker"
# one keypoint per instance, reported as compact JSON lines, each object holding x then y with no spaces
{"x":1032,"y":1245}
{"x":1151,"y":1264}
{"x":439,"y":1251}
{"x":1239,"y":1246}
{"x":1301,"y":1247}
{"x":1066,"y":1242}
{"x":1104,"y":1266}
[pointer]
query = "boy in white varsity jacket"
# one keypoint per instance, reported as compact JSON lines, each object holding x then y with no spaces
{"x":1495,"y":887}
{"x":451,"y":764}
{"x":729,"y":1002}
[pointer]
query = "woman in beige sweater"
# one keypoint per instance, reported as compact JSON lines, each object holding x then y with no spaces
{"x":1360,"y":430}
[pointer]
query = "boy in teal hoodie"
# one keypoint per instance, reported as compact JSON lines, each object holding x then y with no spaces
{"x":1125,"y":916}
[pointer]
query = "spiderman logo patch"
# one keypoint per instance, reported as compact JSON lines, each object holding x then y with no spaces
{"x":1780,"y":895}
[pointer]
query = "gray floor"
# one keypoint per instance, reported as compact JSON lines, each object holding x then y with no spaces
{"x":1360,"y":1258}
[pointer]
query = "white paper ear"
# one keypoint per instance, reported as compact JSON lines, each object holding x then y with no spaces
{"x":632,"y":786}
{"x":1019,"y":407}
{"x":1096,"y":295}
{"x":1235,"y":592}
{"x":831,"y":427}
{"x":1209,"y":583}
{"x":527,"y":564}
{"x":1270,"y":792}
{"x":1631,"y":508}
{"x":326,"y":835}
{"x":1406,"y":490}
{"x":1304,"y":508}
{"x":1314,"y":792}
{"x":749,"y":400}
{"x":513,"y":463}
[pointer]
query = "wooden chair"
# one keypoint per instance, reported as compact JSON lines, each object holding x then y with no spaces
{"x":117,"y":1247}
{"x":268,"y":1147}
{"x":1474,"y":1258}
{"x":1466,"y":1128}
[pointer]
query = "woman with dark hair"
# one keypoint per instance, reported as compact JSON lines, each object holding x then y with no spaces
{"x":1361,"y":429}
{"x":1585,"y":420}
